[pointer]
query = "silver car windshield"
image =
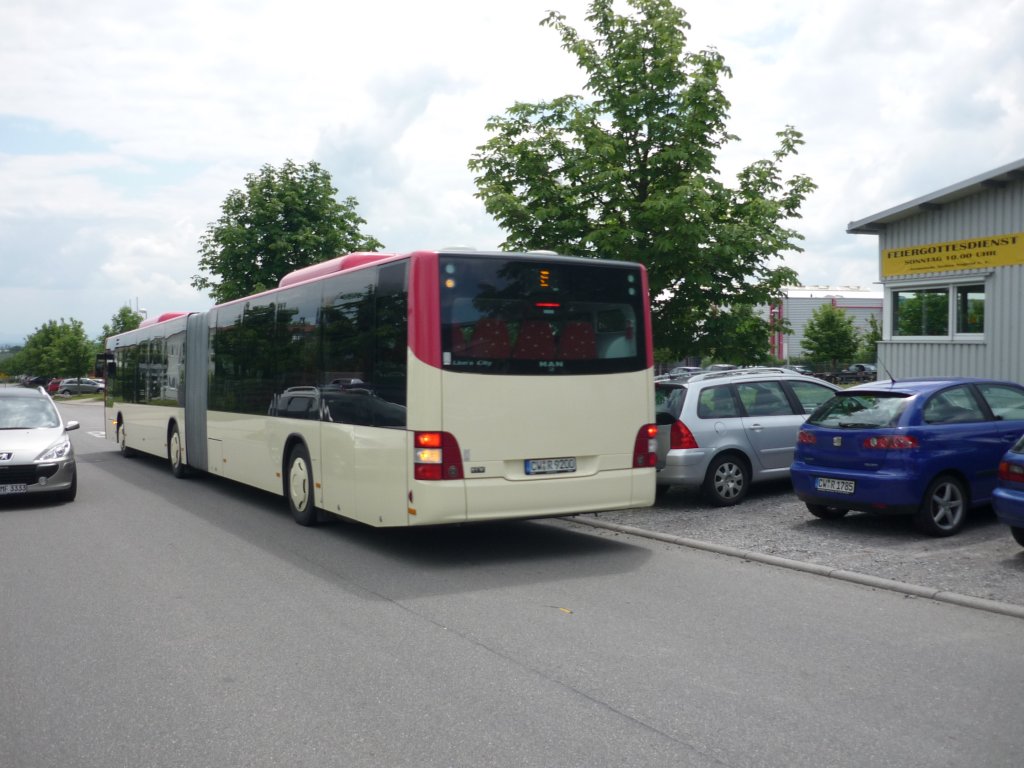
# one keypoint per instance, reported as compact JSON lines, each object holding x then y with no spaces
{"x":27,"y":413}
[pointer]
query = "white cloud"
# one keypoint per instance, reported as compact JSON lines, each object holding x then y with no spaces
{"x":134,"y":121}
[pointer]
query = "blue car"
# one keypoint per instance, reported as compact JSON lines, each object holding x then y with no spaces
{"x":923,"y":447}
{"x":1008,"y":499}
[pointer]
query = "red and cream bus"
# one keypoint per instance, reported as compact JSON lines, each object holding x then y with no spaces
{"x":407,"y":389}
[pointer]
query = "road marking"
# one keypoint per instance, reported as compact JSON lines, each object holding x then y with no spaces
{"x":100,"y":435}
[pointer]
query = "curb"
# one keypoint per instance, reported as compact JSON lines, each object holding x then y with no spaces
{"x":942,"y":596}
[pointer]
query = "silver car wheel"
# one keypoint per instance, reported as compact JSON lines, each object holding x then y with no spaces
{"x":727,"y":481}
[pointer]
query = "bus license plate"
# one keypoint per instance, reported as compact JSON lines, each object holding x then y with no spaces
{"x":13,"y":488}
{"x":834,"y":485}
{"x":550,"y":466}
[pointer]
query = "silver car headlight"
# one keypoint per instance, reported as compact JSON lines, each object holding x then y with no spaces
{"x":57,"y":451}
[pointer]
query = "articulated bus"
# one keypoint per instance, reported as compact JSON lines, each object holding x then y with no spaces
{"x":407,"y":389}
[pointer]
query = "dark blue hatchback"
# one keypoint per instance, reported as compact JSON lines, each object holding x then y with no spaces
{"x":1008,"y":499}
{"x":926,"y":447}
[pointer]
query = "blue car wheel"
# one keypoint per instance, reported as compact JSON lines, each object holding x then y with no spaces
{"x":944,"y":507}
{"x":826,"y":512}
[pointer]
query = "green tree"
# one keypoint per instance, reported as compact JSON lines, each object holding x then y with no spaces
{"x":58,"y":349}
{"x":829,"y":336}
{"x":867,"y":352}
{"x":10,"y":361}
{"x":125,"y":319}
{"x":283,"y":220}
{"x":739,"y":335}
{"x":628,"y":171}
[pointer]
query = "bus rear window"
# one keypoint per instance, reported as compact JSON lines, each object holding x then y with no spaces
{"x":542,"y":317}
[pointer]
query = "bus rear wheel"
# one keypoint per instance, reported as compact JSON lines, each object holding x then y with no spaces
{"x":174,"y":451}
{"x":299,"y":486}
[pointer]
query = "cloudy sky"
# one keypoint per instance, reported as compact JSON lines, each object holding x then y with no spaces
{"x":123,"y":125}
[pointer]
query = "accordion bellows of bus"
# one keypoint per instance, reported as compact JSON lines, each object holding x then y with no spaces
{"x":407,"y":389}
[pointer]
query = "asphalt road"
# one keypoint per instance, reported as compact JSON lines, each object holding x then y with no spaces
{"x":164,"y":622}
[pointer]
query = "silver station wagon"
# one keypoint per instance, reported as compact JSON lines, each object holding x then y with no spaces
{"x":723,"y":431}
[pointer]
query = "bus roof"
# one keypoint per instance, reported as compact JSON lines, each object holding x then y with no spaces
{"x":161,"y":319}
{"x":338,"y":264}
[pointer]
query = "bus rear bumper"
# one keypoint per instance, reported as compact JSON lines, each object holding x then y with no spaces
{"x":500,"y":499}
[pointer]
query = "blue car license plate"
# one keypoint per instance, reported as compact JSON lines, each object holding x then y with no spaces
{"x":834,"y":485}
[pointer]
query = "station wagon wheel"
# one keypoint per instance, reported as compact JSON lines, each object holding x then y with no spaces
{"x":299,"y":486}
{"x":944,"y":507}
{"x":174,"y":452}
{"x":727,"y":480}
{"x":826,"y":512}
{"x":1018,"y":534}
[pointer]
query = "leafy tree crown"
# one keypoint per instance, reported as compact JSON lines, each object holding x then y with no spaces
{"x":627,"y":171}
{"x":285,"y":218}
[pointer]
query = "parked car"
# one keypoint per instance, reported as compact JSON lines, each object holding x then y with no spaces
{"x":36,"y":455}
{"x":722,"y":431}
{"x":678,"y":373}
{"x":32,"y":382}
{"x":924,"y":447}
{"x":52,"y":385}
{"x":799,"y":369}
{"x":684,"y":371}
{"x":1008,"y":497}
{"x":79,"y":386}
{"x":863,"y":368}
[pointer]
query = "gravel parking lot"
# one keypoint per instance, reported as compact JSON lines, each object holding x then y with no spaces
{"x":982,"y":560}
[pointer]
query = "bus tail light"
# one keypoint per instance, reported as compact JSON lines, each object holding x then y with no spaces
{"x":437,"y":457}
{"x":645,"y":449}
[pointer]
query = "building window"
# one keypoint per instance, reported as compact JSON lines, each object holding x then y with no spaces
{"x":920,"y":312}
{"x":948,"y":311}
{"x":970,"y":309}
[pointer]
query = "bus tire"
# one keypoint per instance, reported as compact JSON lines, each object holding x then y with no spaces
{"x":299,"y":486}
{"x":122,"y":441}
{"x":174,"y":451}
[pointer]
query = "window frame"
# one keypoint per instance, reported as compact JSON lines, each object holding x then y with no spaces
{"x":953,"y":286}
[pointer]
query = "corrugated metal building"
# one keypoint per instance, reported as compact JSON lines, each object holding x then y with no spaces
{"x":800,"y":302}
{"x":952,"y":270}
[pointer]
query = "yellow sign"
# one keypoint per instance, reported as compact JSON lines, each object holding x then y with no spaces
{"x":976,"y":253}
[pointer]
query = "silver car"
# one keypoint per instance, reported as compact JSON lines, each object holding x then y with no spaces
{"x":79,"y":386}
{"x":36,"y":455}
{"x":722,"y":431}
